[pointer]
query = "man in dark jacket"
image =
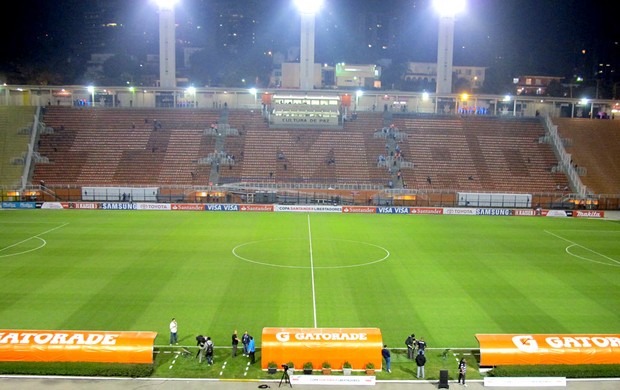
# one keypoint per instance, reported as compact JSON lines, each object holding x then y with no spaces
{"x":410,"y":343}
{"x":385,"y":352}
{"x":420,"y":360}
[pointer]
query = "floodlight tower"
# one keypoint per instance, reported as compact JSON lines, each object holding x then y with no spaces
{"x":307,"y":9}
{"x":447,"y":10}
{"x":167,"y":51}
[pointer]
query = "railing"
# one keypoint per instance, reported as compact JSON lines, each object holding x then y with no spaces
{"x":28,"y":166}
{"x":564,"y":158}
{"x":351,"y":194}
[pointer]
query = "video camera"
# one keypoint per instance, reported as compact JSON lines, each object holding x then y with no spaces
{"x":285,"y":367}
{"x":200,"y":339}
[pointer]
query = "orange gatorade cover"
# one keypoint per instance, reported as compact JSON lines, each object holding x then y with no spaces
{"x":524,"y":349}
{"x":358,"y":346}
{"x":76,"y":346}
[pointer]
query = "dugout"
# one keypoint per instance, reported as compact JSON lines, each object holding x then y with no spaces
{"x":358,"y":346}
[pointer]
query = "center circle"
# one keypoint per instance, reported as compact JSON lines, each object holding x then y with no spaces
{"x":331,"y":253}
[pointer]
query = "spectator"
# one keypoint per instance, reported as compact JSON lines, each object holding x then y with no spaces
{"x":235,"y":343}
{"x":173,"y":332}
{"x":252,"y":350}
{"x":385,"y":352}
{"x":410,"y":343}
{"x":420,"y":361}
{"x":245,"y":340}
{"x":462,"y":371}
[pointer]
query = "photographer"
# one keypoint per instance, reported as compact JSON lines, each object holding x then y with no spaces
{"x":200,"y":342}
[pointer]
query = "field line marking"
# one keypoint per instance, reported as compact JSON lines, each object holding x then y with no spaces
{"x":586,"y":248}
{"x":312,"y":271}
{"x":35,"y":236}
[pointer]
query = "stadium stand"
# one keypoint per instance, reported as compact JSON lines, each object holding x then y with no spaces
{"x":595,"y":147}
{"x":15,"y":125}
{"x":201,"y":147}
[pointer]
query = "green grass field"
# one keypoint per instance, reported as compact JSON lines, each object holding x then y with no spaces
{"x":444,"y":278}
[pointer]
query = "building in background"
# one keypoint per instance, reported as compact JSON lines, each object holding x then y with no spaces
{"x":424,"y":76}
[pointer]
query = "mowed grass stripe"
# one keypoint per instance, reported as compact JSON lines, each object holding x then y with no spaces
{"x":446,"y":277}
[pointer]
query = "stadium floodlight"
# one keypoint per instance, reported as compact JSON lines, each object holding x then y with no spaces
{"x":308,"y":6}
{"x":166,"y":4}
{"x":307,"y":9}
{"x":449,"y":7}
{"x":447,"y":10}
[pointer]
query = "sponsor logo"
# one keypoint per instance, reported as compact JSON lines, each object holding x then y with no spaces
{"x":83,"y":205}
{"x":52,"y":205}
{"x":426,"y":210}
{"x":527,"y":343}
{"x":309,"y":336}
{"x":521,"y":212}
{"x":589,"y":214}
{"x":556,"y":213}
{"x":153,"y":206}
{"x":58,"y":338}
{"x":316,"y":209}
{"x":500,"y":212}
{"x":393,"y":210}
{"x":453,"y":211}
{"x":222,"y":207}
{"x":251,"y":207}
{"x":19,"y":205}
{"x":359,"y":210}
{"x":188,"y":207}
{"x":119,"y":206}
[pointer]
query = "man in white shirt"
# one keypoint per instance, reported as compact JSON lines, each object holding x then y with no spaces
{"x":173,"y":332}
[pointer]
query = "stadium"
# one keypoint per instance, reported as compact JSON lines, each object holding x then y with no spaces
{"x":323,"y":215}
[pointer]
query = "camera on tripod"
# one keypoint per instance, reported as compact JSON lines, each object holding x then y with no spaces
{"x":285,"y":367}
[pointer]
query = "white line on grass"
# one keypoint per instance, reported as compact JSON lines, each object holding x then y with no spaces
{"x":369,"y":262}
{"x":36,"y":236}
{"x":617,"y":263}
{"x":312,"y":271}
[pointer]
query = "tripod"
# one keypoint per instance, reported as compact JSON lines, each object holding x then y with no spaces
{"x":285,"y":378}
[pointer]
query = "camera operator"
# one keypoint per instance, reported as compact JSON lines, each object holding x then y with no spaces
{"x":200,"y":342}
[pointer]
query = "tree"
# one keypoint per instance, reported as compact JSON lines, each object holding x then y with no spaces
{"x":120,"y":69}
{"x":555,"y":89}
{"x":392,"y":76}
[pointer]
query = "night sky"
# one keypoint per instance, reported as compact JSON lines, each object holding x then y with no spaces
{"x":533,"y":36}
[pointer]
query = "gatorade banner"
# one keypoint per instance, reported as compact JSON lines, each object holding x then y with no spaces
{"x":76,"y":346}
{"x":358,"y":346}
{"x":525,"y":349}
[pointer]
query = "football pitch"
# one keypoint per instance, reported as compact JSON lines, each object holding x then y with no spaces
{"x":444,"y":278}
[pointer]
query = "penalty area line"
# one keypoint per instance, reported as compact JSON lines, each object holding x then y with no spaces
{"x":585,"y":248}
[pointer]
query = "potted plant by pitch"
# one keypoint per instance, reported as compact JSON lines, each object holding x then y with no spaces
{"x":272,"y":367}
{"x":370,"y":369}
{"x":308,"y":368}
{"x":291,"y":368}
{"x":346,"y":368}
{"x":326,"y":368}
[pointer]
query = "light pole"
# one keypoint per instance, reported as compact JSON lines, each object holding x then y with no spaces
{"x":445,"y":46}
{"x":91,"y":89}
{"x":307,"y":9}
{"x":253,"y":92}
{"x":191,"y":91}
{"x":358,"y":94}
{"x":167,"y":61}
